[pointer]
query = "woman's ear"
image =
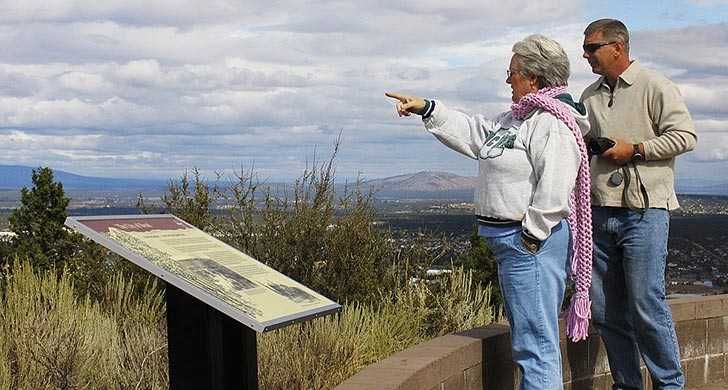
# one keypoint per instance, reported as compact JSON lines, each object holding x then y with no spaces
{"x":533,"y":82}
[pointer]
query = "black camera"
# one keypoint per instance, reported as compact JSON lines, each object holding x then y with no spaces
{"x":599,"y":145}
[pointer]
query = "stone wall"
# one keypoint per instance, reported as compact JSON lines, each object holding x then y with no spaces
{"x":480,"y":358}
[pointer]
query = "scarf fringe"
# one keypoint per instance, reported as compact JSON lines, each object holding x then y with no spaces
{"x":577,"y":317}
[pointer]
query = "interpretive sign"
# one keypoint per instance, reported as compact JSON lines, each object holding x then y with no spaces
{"x":206,"y":268}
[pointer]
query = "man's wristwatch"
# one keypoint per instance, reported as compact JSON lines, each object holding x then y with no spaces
{"x":636,"y":154}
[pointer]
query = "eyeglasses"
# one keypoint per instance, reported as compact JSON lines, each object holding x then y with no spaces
{"x":593,"y":47}
{"x":510,"y":73}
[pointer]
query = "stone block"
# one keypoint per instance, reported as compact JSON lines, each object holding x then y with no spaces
{"x":691,"y":336}
{"x":683,"y":309}
{"x":694,"y":370}
{"x":446,"y":360}
{"x":381,"y":379}
{"x":716,"y":337}
{"x":474,"y":377}
{"x":486,"y":332}
{"x":711,"y":307}
{"x":716,"y":368}
{"x":365,"y":386}
{"x":722,"y":325}
{"x":599,"y":382}
{"x":425,"y":365}
{"x":455,"y":382}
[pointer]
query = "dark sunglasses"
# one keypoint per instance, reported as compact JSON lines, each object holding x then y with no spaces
{"x":592,"y":47}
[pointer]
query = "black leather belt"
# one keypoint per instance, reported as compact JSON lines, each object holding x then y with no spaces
{"x":490,"y":221}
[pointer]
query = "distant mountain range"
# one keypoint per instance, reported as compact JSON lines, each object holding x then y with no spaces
{"x":14,"y":177}
{"x":425,"y":181}
{"x":431,"y":182}
{"x":422,"y":185}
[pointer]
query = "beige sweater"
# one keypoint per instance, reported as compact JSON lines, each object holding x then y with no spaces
{"x":646,"y":108}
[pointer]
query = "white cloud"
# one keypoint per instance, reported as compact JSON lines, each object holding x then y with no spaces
{"x":114,"y":112}
{"x":85,"y":83}
{"x":17,"y":140}
{"x":710,"y":126}
{"x":133,"y":12}
{"x":713,"y":146}
{"x":706,"y":98}
{"x":159,"y":87}
{"x":144,"y":73}
{"x":693,"y":50}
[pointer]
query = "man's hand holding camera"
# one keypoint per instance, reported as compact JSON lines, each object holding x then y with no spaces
{"x":618,"y":152}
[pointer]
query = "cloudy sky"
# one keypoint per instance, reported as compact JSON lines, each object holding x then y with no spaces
{"x":150,"y":88}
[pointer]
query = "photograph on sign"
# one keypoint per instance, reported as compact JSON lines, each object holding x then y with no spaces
{"x":171,"y":245}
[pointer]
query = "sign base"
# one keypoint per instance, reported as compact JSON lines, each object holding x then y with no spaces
{"x":207,"y":349}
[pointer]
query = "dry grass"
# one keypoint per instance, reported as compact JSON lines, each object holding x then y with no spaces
{"x":50,"y":339}
{"x":324,"y":352}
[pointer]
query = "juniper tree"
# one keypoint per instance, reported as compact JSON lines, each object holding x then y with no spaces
{"x":38,"y":222}
{"x":480,"y":260}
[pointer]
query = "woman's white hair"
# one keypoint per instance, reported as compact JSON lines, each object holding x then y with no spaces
{"x":544,"y":59}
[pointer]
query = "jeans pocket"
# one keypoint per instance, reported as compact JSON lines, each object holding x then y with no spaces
{"x":522,"y":247}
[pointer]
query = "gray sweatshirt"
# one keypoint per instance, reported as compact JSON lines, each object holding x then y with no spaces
{"x":526,"y":168}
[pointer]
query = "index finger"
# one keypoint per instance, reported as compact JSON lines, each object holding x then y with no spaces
{"x":397,"y":96}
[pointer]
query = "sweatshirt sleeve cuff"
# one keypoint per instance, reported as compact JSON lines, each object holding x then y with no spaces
{"x":429,"y":108}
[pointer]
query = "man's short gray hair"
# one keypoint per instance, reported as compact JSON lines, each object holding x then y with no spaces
{"x":612,"y":29}
{"x":544,"y":59}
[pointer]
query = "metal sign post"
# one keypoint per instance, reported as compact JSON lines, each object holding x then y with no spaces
{"x":207,"y":349}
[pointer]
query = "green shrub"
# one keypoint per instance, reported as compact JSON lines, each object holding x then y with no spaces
{"x":38,"y":222}
{"x":191,"y":204}
{"x":326,"y":240}
{"x":480,"y":260}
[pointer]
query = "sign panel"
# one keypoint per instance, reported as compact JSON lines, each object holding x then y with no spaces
{"x":207,"y":268}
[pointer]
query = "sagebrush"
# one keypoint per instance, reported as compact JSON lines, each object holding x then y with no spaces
{"x":49,"y":339}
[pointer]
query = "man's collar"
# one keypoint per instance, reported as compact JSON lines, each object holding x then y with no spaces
{"x":628,"y":76}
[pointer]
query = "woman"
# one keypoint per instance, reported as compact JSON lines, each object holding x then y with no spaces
{"x":533,"y":173}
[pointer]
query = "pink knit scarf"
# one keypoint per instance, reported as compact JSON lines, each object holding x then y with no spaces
{"x":579,"y":312}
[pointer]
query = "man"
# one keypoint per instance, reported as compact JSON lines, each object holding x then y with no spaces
{"x":632,"y":194}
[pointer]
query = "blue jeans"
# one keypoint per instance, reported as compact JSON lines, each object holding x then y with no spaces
{"x":628,"y":296}
{"x":533,"y":288}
